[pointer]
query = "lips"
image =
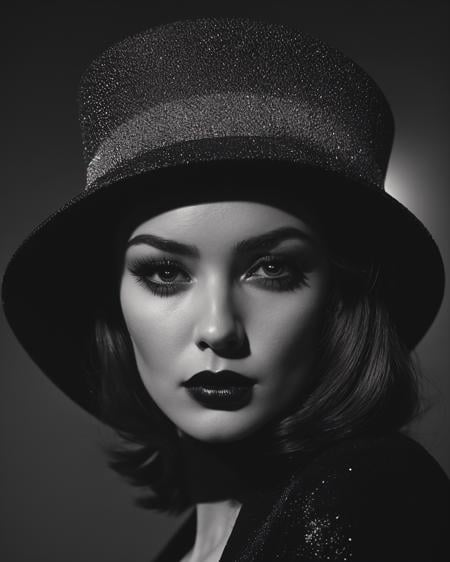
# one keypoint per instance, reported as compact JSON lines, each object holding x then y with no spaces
{"x":225,"y":390}
{"x":221,"y":379}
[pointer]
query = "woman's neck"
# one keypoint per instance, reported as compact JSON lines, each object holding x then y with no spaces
{"x":215,"y":522}
{"x":219,"y":479}
{"x":215,"y":473}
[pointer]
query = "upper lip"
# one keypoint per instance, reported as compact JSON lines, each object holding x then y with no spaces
{"x":220,"y":378}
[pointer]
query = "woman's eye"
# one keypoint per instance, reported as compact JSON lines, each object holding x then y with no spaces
{"x":166,"y":274}
{"x":162,"y":277}
{"x":277,"y":274}
{"x":273,"y":269}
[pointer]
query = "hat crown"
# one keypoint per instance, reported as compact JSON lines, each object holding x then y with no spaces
{"x":286,"y":82}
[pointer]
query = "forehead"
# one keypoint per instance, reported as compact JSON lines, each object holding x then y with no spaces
{"x":222,"y":222}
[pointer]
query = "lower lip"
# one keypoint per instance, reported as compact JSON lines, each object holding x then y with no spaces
{"x":224,"y":398}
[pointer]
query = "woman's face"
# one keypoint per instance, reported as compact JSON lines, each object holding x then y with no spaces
{"x":234,"y":286}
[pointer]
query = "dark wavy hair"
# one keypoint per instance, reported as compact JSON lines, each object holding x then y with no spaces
{"x":364,"y":383}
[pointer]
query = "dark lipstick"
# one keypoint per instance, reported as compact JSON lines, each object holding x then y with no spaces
{"x":224,"y":390}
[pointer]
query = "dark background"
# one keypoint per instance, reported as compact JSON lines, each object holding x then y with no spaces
{"x":58,"y":501}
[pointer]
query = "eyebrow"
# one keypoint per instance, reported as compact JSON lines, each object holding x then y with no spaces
{"x":265,"y":241}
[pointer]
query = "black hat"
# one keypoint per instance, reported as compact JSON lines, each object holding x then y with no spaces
{"x":203,"y":95}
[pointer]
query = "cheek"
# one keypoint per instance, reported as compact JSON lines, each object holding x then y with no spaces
{"x":155,"y":327}
{"x":286,"y":336}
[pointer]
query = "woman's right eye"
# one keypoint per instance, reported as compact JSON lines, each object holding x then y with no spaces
{"x":163,"y":277}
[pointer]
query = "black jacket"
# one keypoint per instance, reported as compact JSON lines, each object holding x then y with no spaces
{"x":362,"y":500}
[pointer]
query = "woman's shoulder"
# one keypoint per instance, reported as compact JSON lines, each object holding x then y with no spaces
{"x":376,"y":499}
{"x":387,"y":455}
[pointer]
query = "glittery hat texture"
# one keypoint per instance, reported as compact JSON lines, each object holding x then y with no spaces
{"x":231,"y":79}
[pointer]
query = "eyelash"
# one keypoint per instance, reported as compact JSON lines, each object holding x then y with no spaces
{"x":143,"y":268}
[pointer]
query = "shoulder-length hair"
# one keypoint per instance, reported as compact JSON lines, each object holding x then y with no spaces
{"x":364,"y":384}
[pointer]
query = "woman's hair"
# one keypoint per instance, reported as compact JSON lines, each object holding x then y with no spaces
{"x":363,"y":384}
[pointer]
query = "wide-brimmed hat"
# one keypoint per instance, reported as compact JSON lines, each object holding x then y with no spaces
{"x":188,"y":100}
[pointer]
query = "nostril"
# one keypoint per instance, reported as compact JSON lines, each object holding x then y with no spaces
{"x":222,"y":343}
{"x":231,"y":346}
{"x":202,"y":345}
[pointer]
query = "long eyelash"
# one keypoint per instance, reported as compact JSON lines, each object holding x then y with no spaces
{"x":285,"y":283}
{"x":142,"y":268}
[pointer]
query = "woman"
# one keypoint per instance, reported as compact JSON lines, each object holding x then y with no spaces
{"x":243,"y":296}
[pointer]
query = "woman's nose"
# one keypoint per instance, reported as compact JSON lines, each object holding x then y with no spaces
{"x":219,"y":324}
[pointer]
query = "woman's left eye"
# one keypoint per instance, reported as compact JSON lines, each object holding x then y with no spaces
{"x":273,"y":269}
{"x":277,"y":274}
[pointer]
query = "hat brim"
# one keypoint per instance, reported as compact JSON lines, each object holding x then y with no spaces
{"x":52,"y":283}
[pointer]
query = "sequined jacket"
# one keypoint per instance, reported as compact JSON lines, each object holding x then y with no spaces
{"x":363,"y":500}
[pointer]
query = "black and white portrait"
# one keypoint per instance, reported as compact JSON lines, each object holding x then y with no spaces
{"x":225,"y":317}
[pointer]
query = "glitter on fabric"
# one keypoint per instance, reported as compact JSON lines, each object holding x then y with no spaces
{"x":245,"y":115}
{"x":233,"y":77}
{"x":327,"y":537}
{"x":318,"y":510}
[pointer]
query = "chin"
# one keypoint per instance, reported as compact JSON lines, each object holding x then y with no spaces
{"x":220,"y":427}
